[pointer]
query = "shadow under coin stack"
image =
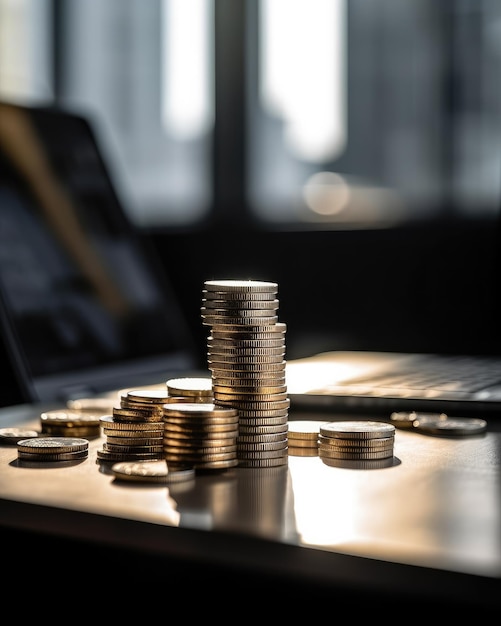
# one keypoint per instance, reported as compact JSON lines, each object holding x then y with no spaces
{"x":246,"y":357}
{"x":134,"y":431}
{"x":357,"y":444}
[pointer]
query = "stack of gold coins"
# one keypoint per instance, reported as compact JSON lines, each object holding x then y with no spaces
{"x":246,"y":357}
{"x":200,"y":435}
{"x":134,"y":430}
{"x":357,"y":443}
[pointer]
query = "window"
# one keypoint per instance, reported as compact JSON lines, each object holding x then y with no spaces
{"x":302,"y":113}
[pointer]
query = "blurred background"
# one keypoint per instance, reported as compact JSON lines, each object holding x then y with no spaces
{"x":348,"y":150}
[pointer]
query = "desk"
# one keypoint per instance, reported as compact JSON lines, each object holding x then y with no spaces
{"x":427,"y":528}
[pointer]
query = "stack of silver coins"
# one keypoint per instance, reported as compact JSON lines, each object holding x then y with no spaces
{"x":52,"y":449}
{"x":361,"y":444}
{"x":134,"y":430}
{"x":201,"y":435}
{"x":246,"y":357}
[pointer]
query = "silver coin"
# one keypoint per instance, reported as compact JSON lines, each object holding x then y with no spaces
{"x":243,"y":304}
{"x":56,"y":457}
{"x":230,"y":285}
{"x":357,"y":429}
{"x":107,"y":456}
{"x":263,"y":446}
{"x":222,"y":314}
{"x":52,"y":445}
{"x":127,"y":449}
{"x":263,"y":462}
{"x":356,"y":444}
{"x":237,"y":296}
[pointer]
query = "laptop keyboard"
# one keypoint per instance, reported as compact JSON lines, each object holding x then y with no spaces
{"x":461,"y":374}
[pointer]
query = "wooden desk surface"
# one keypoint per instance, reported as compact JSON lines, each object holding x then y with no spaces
{"x":429,"y":523}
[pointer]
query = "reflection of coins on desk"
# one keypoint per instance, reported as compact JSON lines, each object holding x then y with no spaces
{"x":151,"y":472}
{"x":451,"y":426}
{"x":370,"y":464}
{"x":11,"y":436}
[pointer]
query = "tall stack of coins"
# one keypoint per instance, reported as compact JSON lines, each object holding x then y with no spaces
{"x":246,"y":357}
{"x":134,"y":431}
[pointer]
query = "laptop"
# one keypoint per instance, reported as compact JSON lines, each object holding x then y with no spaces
{"x":85,"y":305}
{"x":384,"y":382}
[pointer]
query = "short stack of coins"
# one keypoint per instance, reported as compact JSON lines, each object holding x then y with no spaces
{"x":52,"y":449}
{"x":361,"y":443}
{"x":246,"y":357}
{"x":201,"y":435}
{"x":134,"y":430}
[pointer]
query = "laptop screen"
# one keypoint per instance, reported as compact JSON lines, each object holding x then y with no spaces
{"x":81,"y":290}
